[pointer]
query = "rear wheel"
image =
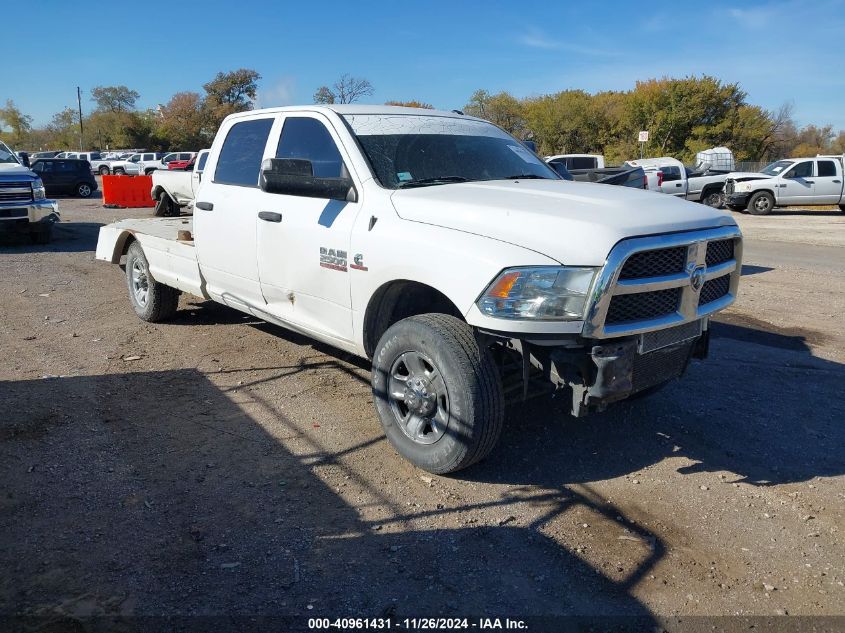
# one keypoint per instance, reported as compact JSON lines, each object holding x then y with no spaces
{"x":104,"y":170}
{"x":165,"y":207}
{"x":437,"y":393}
{"x":761,"y":203}
{"x":152,"y":301}
{"x":84,"y":190}
{"x":119,"y":171}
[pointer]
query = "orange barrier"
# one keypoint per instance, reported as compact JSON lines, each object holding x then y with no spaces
{"x":127,"y":191}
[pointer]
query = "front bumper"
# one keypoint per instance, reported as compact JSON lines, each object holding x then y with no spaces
{"x":737,"y":199}
{"x":23,"y":215}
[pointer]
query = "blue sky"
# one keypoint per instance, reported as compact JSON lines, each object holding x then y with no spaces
{"x":438,"y":52}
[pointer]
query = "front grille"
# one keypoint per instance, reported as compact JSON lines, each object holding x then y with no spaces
{"x":714,"y":289}
{"x":719,"y":252}
{"x":14,"y":191}
{"x":729,"y":186}
{"x":643,"y":305}
{"x":656,"y":367}
{"x":665,"y":261}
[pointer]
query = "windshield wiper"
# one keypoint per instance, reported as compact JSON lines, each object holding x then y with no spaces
{"x":441,"y":180}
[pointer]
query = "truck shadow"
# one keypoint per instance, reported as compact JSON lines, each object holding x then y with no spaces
{"x":761,"y":407}
{"x":162,"y":493}
{"x":68,"y":237}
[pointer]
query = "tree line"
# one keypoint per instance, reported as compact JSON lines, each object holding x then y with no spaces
{"x":683,"y":116}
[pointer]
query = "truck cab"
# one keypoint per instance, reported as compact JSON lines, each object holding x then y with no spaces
{"x":790,"y":182}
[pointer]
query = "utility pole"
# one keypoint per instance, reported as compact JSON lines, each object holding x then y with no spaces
{"x":79,"y":103}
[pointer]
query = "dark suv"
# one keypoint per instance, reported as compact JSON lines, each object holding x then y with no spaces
{"x":66,"y":176}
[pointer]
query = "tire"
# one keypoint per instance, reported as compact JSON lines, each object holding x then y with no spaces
{"x":152,"y":301}
{"x":165,"y":207}
{"x":447,"y":407}
{"x":842,"y":208}
{"x":104,"y":170}
{"x":84,"y":190}
{"x":147,"y":172}
{"x":713,"y":198}
{"x":42,"y":234}
{"x":119,"y":171}
{"x":761,"y":203}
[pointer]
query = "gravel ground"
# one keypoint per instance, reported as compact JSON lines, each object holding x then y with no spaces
{"x":231,"y":467}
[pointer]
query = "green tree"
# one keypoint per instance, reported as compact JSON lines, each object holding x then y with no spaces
{"x":180,"y":122}
{"x":502,"y":109}
{"x":19,"y":124}
{"x":114,"y":98}
{"x":411,"y":104}
{"x":226,"y":94}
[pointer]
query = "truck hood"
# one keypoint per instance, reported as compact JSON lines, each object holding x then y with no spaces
{"x":14,"y":169}
{"x":747,"y":175}
{"x":575,"y":223}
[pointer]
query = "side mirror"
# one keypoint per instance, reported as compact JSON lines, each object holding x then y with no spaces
{"x":295,"y":177}
{"x":25,"y":159}
{"x":530,"y":145}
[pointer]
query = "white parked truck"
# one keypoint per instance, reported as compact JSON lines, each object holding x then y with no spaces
{"x":174,"y":189}
{"x":793,"y":181}
{"x":704,"y":185}
{"x":441,"y":248}
{"x":24,"y":207}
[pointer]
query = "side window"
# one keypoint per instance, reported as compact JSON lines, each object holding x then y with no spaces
{"x":95,"y":156}
{"x":583,"y":162}
{"x":801,"y":170}
{"x":240,"y":158}
{"x":200,"y":164}
{"x":827,"y":168}
{"x":38,"y":167}
{"x":308,"y":139}
{"x":670,"y":174}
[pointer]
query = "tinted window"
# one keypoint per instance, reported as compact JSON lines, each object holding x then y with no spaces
{"x":801,"y":170}
{"x":827,"y":168}
{"x":582,"y":162}
{"x":201,"y":162}
{"x":95,"y":156}
{"x":310,"y":140}
{"x":240,"y":157}
{"x":671,"y":173}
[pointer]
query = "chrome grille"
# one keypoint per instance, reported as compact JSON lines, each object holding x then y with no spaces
{"x":646,"y":305}
{"x":714,"y":289}
{"x":13,"y":191}
{"x":729,"y":186}
{"x":644,"y":288}
{"x":664,"y":261}
{"x":719,"y":252}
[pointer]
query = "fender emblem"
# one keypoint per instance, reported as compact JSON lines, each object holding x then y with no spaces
{"x":358,"y":262}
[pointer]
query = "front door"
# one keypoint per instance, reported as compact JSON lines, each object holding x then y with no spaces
{"x":797,"y":185}
{"x":303,"y":243}
{"x":224,"y":216}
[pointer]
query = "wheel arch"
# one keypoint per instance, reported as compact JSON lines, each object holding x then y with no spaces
{"x":399,"y":299}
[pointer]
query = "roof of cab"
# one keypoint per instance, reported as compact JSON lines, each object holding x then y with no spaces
{"x":351,"y":109}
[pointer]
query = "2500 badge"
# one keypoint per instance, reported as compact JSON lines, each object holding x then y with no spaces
{"x":333,"y":259}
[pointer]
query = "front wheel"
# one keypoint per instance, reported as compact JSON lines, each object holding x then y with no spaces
{"x":165,"y":207}
{"x":84,"y":190}
{"x":437,"y":393}
{"x":715,"y":199}
{"x":147,"y":172}
{"x":152,"y":301}
{"x":104,"y":170}
{"x":119,"y":171}
{"x":761,"y":203}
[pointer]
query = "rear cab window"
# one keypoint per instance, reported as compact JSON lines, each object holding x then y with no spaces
{"x":240,"y":157}
{"x":827,"y":168}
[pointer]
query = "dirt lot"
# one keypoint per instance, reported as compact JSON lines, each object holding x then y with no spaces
{"x":231,"y":467}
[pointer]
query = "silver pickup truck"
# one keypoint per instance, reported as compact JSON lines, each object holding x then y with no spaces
{"x":24,"y":207}
{"x":174,"y":189}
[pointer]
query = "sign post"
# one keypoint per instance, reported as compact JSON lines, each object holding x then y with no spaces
{"x":643,"y":140}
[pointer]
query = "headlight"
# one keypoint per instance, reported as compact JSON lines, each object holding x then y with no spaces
{"x":38,"y":191}
{"x":549,"y":293}
{"x":742,"y":187}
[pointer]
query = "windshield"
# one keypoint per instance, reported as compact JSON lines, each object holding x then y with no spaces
{"x":776,"y":167}
{"x":410,"y":150}
{"x":7,"y":155}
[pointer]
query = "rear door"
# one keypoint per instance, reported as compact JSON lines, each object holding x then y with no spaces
{"x":797,"y":185}
{"x":828,"y":181}
{"x":65,"y":176}
{"x":225,"y":215}
{"x":303,"y":250}
{"x":47,"y":170}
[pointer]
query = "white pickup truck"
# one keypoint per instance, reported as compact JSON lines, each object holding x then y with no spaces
{"x":174,"y":189}
{"x":24,"y":207}
{"x":794,"y":181}
{"x":438,"y":246}
{"x":704,"y":185}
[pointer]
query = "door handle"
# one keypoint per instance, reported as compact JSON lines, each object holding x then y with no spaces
{"x":837,"y":182}
{"x":810,"y":182}
{"x":270,"y":216}
{"x":205,"y":206}
{"x":678,"y":185}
